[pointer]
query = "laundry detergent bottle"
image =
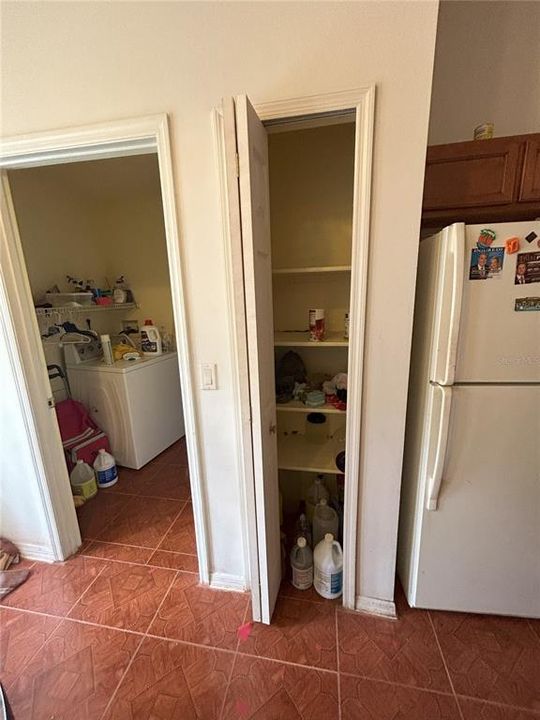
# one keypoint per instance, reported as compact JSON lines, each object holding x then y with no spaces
{"x":150,"y":339}
{"x":105,"y":469}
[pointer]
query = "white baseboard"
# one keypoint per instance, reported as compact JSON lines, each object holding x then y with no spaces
{"x":36,"y":552}
{"x":375,"y":606}
{"x":225,"y":581}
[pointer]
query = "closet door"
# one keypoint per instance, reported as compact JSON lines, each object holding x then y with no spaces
{"x":252,"y":195}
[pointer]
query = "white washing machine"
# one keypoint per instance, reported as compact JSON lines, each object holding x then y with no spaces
{"x":137,"y":403}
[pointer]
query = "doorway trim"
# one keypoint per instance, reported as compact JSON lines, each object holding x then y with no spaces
{"x":135,"y":136}
{"x":361,"y":101}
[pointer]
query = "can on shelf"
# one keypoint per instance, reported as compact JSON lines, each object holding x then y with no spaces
{"x":316,"y":324}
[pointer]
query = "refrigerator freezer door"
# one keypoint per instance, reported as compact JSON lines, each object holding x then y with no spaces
{"x":478,"y":551}
{"x":497,"y":343}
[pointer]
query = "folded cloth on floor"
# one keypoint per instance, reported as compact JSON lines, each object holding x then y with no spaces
{"x":10,"y":579}
{"x":9,"y":553}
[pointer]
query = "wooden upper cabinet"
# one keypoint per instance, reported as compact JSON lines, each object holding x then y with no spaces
{"x":472,"y":174}
{"x":530,"y":181}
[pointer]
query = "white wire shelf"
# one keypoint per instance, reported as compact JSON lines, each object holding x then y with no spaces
{"x":301,"y":339}
{"x":67,"y":309}
{"x":312,"y":269}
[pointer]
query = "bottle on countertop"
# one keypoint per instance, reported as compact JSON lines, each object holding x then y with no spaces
{"x":150,"y":339}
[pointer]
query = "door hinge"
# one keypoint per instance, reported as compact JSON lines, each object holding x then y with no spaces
{"x":50,"y":402}
{"x":237,"y":161}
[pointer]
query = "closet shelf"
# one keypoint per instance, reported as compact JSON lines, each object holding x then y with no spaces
{"x":85,"y":308}
{"x":297,"y":453}
{"x":312,"y":269}
{"x":299,"y":407}
{"x":301,"y":339}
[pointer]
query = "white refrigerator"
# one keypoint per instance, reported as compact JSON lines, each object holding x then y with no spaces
{"x":470,"y":506}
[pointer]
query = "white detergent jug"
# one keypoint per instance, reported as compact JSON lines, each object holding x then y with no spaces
{"x":325,"y":520}
{"x":315,"y":494}
{"x":328,"y":564}
{"x":83,"y":480}
{"x":302,"y":565}
{"x":105,"y":469}
{"x":150,"y":339}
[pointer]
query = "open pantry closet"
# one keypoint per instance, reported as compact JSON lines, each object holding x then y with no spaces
{"x":297,"y":185}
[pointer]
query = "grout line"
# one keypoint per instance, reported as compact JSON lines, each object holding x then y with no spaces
{"x":105,"y":564}
{"x":337,"y":661}
{"x":399,"y":684}
{"x":445,"y":665}
{"x":151,"y":636}
{"x":233,"y":665}
{"x":288,"y":662}
{"x":136,"y":652}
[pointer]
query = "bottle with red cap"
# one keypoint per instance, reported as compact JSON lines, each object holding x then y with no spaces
{"x":150,"y":339}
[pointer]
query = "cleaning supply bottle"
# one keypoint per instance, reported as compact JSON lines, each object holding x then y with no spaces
{"x":302,"y":527}
{"x":106,"y":345}
{"x":105,"y":469}
{"x":315,"y":494}
{"x":302,"y":565}
{"x":328,"y":568}
{"x":83,"y":480}
{"x":150,"y":339}
{"x":325,"y":520}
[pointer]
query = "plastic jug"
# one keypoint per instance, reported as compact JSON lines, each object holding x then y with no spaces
{"x":302,"y":565}
{"x":105,"y":469}
{"x":303,"y":529}
{"x":328,"y":566}
{"x":315,"y":494}
{"x":325,"y":520}
{"x":150,"y":339}
{"x":83,"y":480}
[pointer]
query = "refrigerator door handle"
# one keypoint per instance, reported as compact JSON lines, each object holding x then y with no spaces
{"x":456,"y":244}
{"x":435,"y":477}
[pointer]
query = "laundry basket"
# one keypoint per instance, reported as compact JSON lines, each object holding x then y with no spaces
{"x":82,"y":439}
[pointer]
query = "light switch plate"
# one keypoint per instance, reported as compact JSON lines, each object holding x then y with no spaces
{"x":208,"y":376}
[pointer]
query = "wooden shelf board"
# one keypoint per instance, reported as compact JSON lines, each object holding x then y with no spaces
{"x":297,"y":453}
{"x":301,"y":339}
{"x":297,"y":406}
{"x":313,"y":269}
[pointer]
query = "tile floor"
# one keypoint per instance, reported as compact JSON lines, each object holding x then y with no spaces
{"x":122,"y":631}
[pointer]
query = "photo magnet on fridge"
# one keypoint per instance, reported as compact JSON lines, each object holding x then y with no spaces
{"x":527,"y":268}
{"x":486,"y":263}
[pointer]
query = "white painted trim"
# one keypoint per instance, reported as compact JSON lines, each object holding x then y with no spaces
{"x":228,"y":183}
{"x":226,"y":581}
{"x":362,"y":102}
{"x":35,"y":552}
{"x":375,"y":606}
{"x":74,"y":144}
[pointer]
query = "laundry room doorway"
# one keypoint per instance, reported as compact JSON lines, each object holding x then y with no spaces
{"x":94,"y":287}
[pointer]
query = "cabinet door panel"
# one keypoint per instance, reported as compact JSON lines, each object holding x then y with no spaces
{"x":530,"y":182}
{"x":472,"y":174}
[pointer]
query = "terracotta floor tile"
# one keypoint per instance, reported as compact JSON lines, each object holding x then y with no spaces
{"x":171,"y":681}
{"x":492,"y":658}
{"x":181,"y":537}
{"x":199,"y":614}
{"x":56,"y":587}
{"x":273,"y":691}
{"x":74,"y":674}
{"x":124,"y":596}
{"x":480,"y":710}
{"x":21,"y":636}
{"x":403,"y":650}
{"x":142,"y":522}
{"x":97,"y":513}
{"x":109,"y":551}
{"x":168,"y":481}
{"x":373,"y":700}
{"x":176,"y":561}
{"x":300,"y":632}
{"x":174,"y":455}
{"x":130,"y":481}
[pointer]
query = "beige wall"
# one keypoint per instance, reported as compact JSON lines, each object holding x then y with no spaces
{"x":68,"y":64}
{"x":487,"y":69}
{"x":97,"y":220}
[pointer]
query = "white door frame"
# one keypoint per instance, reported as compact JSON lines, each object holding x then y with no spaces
{"x":136,"y":136}
{"x":361,"y":101}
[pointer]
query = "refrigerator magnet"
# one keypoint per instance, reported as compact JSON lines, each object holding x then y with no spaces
{"x":527,"y":268}
{"x":486,"y":263}
{"x":531,"y":237}
{"x":512,"y":245}
{"x":486,"y":238}
{"x":527,"y":304}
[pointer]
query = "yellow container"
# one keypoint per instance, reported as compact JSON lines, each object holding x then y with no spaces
{"x":484,"y":132}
